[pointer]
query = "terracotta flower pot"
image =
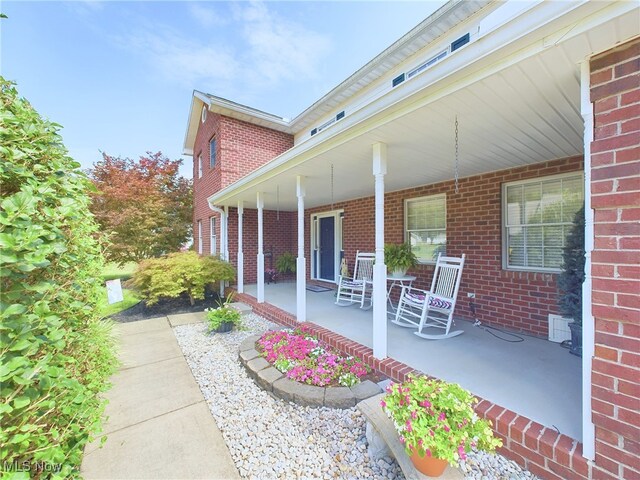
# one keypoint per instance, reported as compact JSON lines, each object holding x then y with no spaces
{"x":430,"y":466}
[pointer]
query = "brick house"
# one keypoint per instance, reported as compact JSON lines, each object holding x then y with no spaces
{"x":455,"y":136}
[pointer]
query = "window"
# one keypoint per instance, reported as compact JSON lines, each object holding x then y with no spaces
{"x":200,"y":237}
{"x":212,"y":235}
{"x":199,"y":166}
{"x":212,"y":152}
{"x":426,"y":226}
{"x":537,"y":216}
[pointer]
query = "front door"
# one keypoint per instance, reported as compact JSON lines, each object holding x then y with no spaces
{"x":327,"y":249}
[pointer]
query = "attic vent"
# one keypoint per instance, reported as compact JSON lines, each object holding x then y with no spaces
{"x":314,"y":131}
{"x":326,"y":124}
{"x":397,"y":81}
{"x":463,"y":40}
{"x":340,"y":116}
{"x":427,"y":64}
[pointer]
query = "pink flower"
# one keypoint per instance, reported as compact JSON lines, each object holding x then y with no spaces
{"x":409,"y":427}
{"x":383,"y":404}
{"x":401,"y":439}
{"x":427,"y":452}
{"x":446,"y":428}
{"x":414,"y":414}
{"x":442,"y":417}
{"x":425,"y":404}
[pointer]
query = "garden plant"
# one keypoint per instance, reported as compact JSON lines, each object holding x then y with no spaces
{"x":180,"y":273}
{"x":55,"y":353}
{"x":304,"y":358}
{"x":436,"y":419}
{"x":224,"y":318}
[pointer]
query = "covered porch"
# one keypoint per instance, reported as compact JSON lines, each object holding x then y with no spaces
{"x":531,"y":376}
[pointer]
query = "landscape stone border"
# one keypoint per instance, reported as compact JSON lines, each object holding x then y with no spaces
{"x":272,"y":380}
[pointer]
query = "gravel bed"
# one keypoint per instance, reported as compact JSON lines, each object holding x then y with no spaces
{"x":269,"y":438}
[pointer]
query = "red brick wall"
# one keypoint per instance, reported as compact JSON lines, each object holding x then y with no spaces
{"x":615,"y":184}
{"x":241,"y":148}
{"x":279,"y":237}
{"x":516,"y":300}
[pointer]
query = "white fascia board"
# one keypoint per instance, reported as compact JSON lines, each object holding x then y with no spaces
{"x":427,"y":89}
{"x":192,"y":123}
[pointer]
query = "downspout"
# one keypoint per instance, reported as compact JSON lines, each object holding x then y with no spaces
{"x":588,"y":327}
{"x":224,"y":252}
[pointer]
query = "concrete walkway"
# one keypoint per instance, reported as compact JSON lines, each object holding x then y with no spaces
{"x":159,"y":425}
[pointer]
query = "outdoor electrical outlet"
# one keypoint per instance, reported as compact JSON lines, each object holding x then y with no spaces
{"x":471,"y":295}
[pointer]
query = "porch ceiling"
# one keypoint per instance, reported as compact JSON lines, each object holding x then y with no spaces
{"x":524,"y":113}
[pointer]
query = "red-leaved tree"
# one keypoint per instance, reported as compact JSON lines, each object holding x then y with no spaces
{"x":145,"y":207}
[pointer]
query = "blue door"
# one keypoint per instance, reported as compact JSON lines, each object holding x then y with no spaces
{"x":327,"y":249}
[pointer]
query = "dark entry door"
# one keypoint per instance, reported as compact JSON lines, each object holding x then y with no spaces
{"x":327,"y":248}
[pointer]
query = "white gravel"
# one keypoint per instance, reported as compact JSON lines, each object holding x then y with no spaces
{"x":271,"y":439}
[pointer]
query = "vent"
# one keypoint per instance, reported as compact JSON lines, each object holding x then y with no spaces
{"x":397,"y":81}
{"x":463,"y":40}
{"x":559,"y":328}
{"x":427,"y":64}
{"x":340,"y":116}
{"x":314,"y":131}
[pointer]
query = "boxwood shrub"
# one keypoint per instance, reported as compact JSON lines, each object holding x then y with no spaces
{"x":55,"y":353}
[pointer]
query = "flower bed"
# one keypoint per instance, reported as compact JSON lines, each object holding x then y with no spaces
{"x":304,"y":358}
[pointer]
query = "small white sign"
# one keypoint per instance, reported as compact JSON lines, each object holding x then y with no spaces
{"x":114,"y":291}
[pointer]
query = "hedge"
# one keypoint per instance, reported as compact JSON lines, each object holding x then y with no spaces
{"x":55,"y":353}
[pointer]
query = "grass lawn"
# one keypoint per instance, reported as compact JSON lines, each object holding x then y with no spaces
{"x":111,"y":272}
{"x":130,"y":299}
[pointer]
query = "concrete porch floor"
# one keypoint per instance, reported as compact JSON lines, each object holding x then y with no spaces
{"x":535,"y":378}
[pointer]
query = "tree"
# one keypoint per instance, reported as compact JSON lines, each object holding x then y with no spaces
{"x":145,"y":207}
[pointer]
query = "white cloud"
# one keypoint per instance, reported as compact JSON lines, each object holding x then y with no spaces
{"x":206,"y":16}
{"x":255,"y":47}
{"x":280,"y":49}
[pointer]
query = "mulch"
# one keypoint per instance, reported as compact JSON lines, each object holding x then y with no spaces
{"x":168,"y":306}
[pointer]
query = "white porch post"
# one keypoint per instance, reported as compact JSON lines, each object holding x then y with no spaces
{"x":301,"y":266}
{"x":379,"y":296}
{"x":240,"y":252}
{"x":226,"y":233}
{"x":260,"y":205}
{"x":588,"y":327}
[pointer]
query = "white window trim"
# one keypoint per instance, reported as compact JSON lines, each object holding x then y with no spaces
{"x":406,"y":211}
{"x":200,"y":237}
{"x":199,"y":166}
{"x":213,"y":238}
{"x":503,"y":215}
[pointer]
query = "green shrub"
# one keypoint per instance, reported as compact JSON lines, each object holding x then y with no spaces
{"x":55,"y":353}
{"x":178,"y":273}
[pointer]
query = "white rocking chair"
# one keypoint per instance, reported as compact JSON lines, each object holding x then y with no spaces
{"x":357,"y":288}
{"x":434,"y":308}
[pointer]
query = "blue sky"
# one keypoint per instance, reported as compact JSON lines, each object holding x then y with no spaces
{"x":119,"y":75}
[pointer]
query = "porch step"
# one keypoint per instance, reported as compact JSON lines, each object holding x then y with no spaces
{"x":243,"y":308}
{"x":381,"y":428}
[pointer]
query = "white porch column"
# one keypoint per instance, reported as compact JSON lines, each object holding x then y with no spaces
{"x":260,"y":205}
{"x":301,"y":265}
{"x":226,"y":233}
{"x":379,"y":298}
{"x":240,"y":252}
{"x":588,"y":326}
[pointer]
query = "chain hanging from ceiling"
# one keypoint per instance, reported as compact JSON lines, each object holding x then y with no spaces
{"x":457,"y":159}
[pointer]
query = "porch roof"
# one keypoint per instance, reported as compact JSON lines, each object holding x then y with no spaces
{"x":515,"y":92}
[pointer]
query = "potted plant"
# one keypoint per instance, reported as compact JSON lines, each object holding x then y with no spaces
{"x":224,"y":318}
{"x":436,"y":422}
{"x":286,"y":263}
{"x":570,"y":280}
{"x":399,"y":258}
